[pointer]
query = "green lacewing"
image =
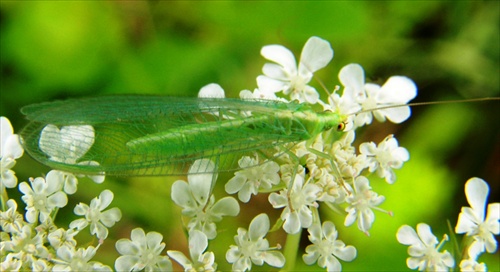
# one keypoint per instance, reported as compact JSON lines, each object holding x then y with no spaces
{"x":155,"y":135}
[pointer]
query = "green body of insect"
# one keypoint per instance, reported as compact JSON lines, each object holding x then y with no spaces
{"x":154,"y":135}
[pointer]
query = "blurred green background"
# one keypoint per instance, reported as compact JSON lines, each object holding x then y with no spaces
{"x":55,"y":50}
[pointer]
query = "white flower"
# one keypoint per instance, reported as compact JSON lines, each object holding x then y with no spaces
{"x":62,"y":237}
{"x":283,"y":75}
{"x":472,"y":220}
{"x":212,"y":90}
{"x":423,"y":250}
{"x":142,"y":252}
{"x":44,"y":197}
{"x":252,"y":177}
{"x":10,"y":220}
{"x":95,"y":215}
{"x":297,"y":202}
{"x":385,"y":157}
{"x":70,"y":259}
{"x":252,"y":247}
{"x":201,"y":260}
{"x":361,"y":201}
{"x":326,"y":248}
{"x":398,"y":90}
{"x":10,"y":150}
{"x":197,"y":202}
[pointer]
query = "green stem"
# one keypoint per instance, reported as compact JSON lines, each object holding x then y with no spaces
{"x":4,"y":197}
{"x":291,"y":250}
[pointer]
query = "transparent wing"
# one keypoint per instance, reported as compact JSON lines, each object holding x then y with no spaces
{"x":151,"y":135}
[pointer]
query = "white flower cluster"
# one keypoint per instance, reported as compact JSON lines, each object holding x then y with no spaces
{"x":479,"y":226}
{"x":326,"y":170}
{"x":336,"y":175}
{"x":34,"y":242}
{"x":331,"y":173}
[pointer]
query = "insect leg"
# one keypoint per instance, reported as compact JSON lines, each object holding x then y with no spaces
{"x":335,"y":167}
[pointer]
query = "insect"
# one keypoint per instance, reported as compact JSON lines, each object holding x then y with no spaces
{"x":155,"y":135}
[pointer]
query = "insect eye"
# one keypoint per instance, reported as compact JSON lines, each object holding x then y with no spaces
{"x":341,"y":126}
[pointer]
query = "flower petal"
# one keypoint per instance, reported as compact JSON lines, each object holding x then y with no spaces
{"x":406,"y":235}
{"x":346,"y":253}
{"x":274,"y":258}
{"x":105,"y":198}
{"x":397,"y":90}
{"x":316,"y":54}
{"x":181,"y":194}
{"x":476,"y":191}
{"x":280,"y":55}
{"x":234,"y":184}
{"x":12,"y":147}
{"x":352,"y":77}
{"x":200,"y":178}
{"x":212,"y":90}
{"x":198,"y":242}
{"x":425,"y":233}
{"x":5,"y":131}
{"x":226,"y":206}
{"x":275,"y":71}
{"x":258,"y":227}
{"x":267,"y":84}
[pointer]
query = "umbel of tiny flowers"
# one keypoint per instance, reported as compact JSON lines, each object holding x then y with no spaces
{"x":200,"y":260}
{"x":479,"y":229}
{"x":37,"y":244}
{"x":299,"y":200}
{"x":473,"y":222}
{"x":142,"y":252}
{"x":198,"y":203}
{"x":252,"y":247}
{"x":10,"y":150}
{"x":335,"y":178}
{"x":424,"y":249}
{"x":24,"y":245}
{"x":326,"y":248}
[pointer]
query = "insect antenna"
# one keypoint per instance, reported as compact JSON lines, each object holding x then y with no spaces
{"x":323,"y":86}
{"x":483,"y":99}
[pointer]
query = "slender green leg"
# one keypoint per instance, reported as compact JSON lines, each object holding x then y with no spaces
{"x":335,"y":167}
